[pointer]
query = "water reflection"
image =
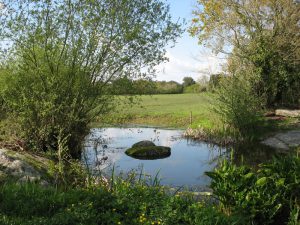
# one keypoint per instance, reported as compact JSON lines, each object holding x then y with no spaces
{"x":186,"y":165}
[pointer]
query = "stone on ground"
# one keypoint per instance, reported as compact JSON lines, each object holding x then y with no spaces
{"x":284,"y":140}
{"x":22,"y":167}
{"x":287,"y":113}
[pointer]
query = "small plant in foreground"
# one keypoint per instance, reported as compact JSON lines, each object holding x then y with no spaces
{"x":269,"y":195}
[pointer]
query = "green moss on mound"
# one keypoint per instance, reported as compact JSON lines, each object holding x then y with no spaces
{"x":143,"y":144}
{"x":149,"y":152}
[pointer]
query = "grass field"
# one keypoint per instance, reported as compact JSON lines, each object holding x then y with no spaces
{"x":166,"y":110}
{"x":173,"y":111}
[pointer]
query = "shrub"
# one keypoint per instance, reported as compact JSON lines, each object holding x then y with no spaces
{"x":214,"y":81}
{"x":63,"y":55}
{"x":238,"y":106}
{"x":170,"y":87}
{"x":269,"y":195}
{"x":194,"y":88}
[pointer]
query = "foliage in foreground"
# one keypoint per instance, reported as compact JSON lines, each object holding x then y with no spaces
{"x":244,"y":196}
{"x":270,"y":195}
{"x":124,"y":204}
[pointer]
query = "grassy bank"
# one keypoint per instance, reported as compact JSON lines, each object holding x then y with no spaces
{"x":170,"y":110}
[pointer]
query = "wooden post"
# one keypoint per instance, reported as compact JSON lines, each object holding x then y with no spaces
{"x":191,"y":118}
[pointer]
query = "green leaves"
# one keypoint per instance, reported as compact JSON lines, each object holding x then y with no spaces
{"x":65,"y":54}
{"x":262,"y":36}
{"x":259,"y":196}
{"x":238,"y":105}
{"x":261,"y":181}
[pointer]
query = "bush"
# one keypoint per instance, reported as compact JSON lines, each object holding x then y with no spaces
{"x":238,"y":106}
{"x":214,"y":81}
{"x":269,"y":195}
{"x":61,"y":57}
{"x":194,"y":88}
{"x":170,"y":87}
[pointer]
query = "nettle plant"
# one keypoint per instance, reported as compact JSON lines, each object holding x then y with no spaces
{"x":61,"y":57}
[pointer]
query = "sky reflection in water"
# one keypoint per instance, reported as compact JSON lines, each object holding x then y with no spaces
{"x":185,"y":167}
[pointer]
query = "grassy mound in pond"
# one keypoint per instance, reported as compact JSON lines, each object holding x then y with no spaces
{"x":149,"y":152}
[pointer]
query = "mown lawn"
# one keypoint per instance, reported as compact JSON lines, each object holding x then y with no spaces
{"x":171,"y":110}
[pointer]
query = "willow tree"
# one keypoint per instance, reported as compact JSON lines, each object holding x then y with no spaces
{"x":262,"y":35}
{"x":60,"y":57}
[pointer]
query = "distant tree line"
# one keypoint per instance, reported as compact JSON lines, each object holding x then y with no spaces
{"x":127,"y":86}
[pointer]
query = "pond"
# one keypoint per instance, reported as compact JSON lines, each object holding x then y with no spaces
{"x":105,"y":148}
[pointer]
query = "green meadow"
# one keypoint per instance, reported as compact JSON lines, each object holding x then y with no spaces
{"x":169,"y":110}
{"x":175,"y":111}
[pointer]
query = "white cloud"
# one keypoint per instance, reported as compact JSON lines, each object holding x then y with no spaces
{"x":180,"y":65}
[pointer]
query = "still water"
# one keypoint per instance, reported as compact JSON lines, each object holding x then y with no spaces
{"x":105,"y":148}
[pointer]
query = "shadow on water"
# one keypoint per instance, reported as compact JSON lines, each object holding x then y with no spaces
{"x":253,"y":154}
{"x":149,"y":157}
{"x":105,"y":149}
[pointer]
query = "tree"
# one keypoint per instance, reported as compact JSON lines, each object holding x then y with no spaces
{"x":62,"y":55}
{"x":188,"y":81}
{"x":258,"y":35}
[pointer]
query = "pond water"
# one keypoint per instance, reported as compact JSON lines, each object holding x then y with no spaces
{"x":105,"y":148}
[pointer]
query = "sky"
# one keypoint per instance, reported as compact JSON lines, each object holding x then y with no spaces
{"x":187,"y":58}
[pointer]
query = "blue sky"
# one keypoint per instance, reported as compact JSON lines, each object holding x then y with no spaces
{"x":187,"y":58}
